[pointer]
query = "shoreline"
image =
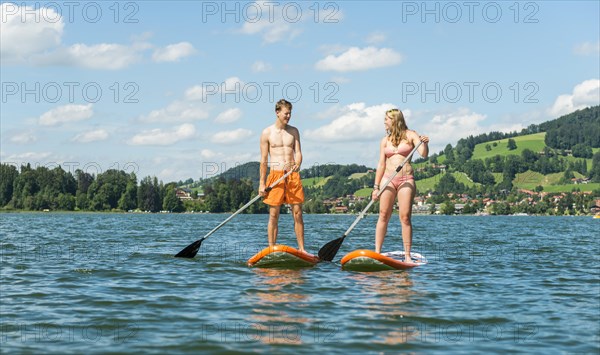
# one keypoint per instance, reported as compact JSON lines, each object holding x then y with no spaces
{"x":325,"y":214}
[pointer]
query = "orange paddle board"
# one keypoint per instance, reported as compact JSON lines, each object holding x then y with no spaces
{"x":282,"y":256}
{"x":368,"y":260}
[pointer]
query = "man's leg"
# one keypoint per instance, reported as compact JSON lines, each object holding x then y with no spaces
{"x":298,"y":225}
{"x":273,"y":226}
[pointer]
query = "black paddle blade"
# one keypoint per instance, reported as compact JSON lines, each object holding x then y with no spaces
{"x":191,"y":250}
{"x":328,"y":251}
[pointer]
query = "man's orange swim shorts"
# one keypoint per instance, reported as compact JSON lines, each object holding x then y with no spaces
{"x":288,"y":191}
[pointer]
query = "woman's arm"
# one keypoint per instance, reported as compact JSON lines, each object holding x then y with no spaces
{"x":380,"y":168}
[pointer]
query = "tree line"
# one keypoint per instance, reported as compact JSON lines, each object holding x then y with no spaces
{"x":574,"y":131}
{"x":43,"y":188}
{"x":55,"y":189}
{"x":575,"y":203}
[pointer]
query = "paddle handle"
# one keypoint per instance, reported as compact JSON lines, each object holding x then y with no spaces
{"x":361,"y":215}
{"x":247,"y":204}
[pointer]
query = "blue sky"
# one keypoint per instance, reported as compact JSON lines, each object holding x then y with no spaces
{"x":183,"y":89}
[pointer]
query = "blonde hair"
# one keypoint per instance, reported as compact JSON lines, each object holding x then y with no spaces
{"x":281,"y":104}
{"x":398,"y":128}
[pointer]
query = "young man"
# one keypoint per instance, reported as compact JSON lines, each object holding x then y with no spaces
{"x":281,"y":143}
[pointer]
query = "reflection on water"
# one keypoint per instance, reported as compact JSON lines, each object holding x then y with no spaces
{"x":385,"y":288}
{"x":386,"y":297}
{"x":277,"y":296}
{"x":277,"y":282}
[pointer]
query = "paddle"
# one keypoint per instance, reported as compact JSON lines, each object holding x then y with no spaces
{"x":191,"y":250}
{"x":328,"y":251}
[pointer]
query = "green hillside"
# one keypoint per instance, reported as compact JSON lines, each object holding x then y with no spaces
{"x":315,"y":181}
{"x":357,"y":175}
{"x":529,"y":180}
{"x":429,"y":183}
{"x":571,"y":187}
{"x":366,"y":192}
{"x":534,"y":142}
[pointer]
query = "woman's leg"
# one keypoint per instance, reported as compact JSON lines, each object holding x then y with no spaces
{"x":386,"y":204}
{"x":406,"y":193}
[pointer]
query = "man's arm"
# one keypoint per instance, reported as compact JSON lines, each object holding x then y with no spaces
{"x":264,"y":160}
{"x":297,"y":150}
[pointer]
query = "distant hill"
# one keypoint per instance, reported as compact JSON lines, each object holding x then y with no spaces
{"x":581,"y":127}
{"x":249,"y":170}
{"x":314,"y":175}
{"x":553,"y":156}
{"x":534,"y":142}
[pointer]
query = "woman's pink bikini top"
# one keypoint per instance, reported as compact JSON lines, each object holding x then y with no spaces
{"x":403,"y":149}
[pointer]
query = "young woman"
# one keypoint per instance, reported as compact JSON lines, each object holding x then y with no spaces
{"x":394,"y":148}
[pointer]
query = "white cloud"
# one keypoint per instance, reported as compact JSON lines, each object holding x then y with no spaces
{"x":356,"y":122}
{"x":272,"y":32}
{"x":260,"y":67}
{"x":229,"y":137}
{"x":21,"y":36}
{"x":584,"y":95}
{"x":235,"y":88}
{"x":587,"y":48}
{"x":27,"y":157}
{"x":240,"y":158}
{"x":452,"y":126}
{"x":173,"y":52}
{"x":228,"y":116}
{"x":66,"y":114}
{"x":328,"y":49}
{"x":195,"y":93}
{"x":164,"y":137}
{"x":271,"y":25}
{"x":207,"y":154}
{"x":23,"y":138}
{"x":91,"y":136}
{"x":376,"y":37}
{"x":515,"y":122}
{"x":108,"y":56}
{"x":142,"y":37}
{"x":34,"y":36}
{"x":333,"y":111}
{"x":177,"y":111}
{"x":232,"y":83}
{"x":355,"y":59}
{"x":193,"y":106}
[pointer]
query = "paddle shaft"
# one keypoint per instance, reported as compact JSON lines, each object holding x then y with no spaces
{"x":361,"y":215}
{"x":248,"y":204}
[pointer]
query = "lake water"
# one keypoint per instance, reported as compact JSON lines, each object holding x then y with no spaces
{"x":108,"y":283}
